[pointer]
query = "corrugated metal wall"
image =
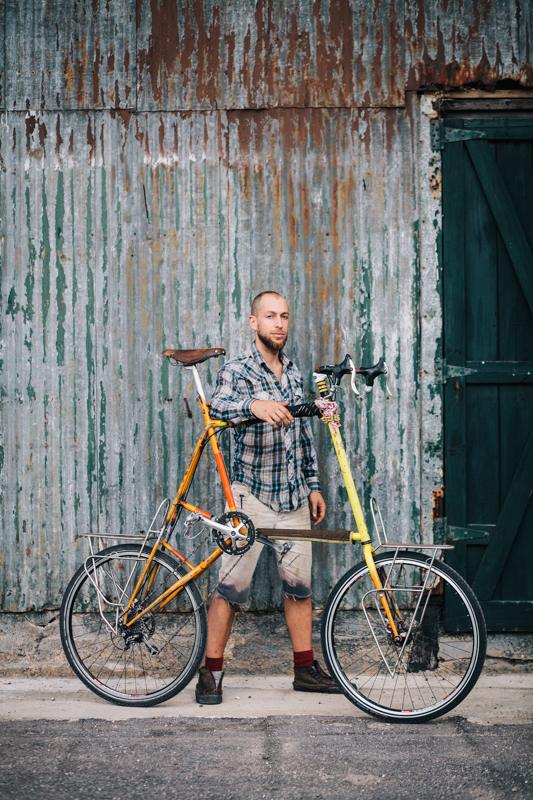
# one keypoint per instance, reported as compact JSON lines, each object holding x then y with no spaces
{"x":162,"y":162}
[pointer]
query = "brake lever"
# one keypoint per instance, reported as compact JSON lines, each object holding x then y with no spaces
{"x":353,"y":382}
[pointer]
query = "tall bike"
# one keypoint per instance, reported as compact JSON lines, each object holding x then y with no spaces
{"x":402,"y":633}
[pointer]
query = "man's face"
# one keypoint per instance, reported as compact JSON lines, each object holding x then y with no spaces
{"x":271,"y":322}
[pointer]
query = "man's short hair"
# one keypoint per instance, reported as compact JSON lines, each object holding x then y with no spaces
{"x":256,"y":302}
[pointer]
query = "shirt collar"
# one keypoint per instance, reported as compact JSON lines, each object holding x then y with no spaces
{"x":286,"y":362}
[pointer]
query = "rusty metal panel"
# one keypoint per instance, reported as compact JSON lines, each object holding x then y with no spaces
{"x":47,"y":341}
{"x":126,"y":233}
{"x":198,"y":54}
{"x":70,"y":54}
{"x":2,"y":53}
{"x":451,"y":43}
{"x":161,"y":281}
{"x":322,"y":208}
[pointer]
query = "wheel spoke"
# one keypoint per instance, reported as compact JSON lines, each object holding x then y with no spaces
{"x":155,"y":656}
{"x":433,"y":668}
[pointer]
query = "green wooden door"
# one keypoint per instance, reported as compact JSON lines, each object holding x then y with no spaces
{"x":488,"y":361}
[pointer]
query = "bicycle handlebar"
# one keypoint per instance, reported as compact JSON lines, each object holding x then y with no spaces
{"x":371,"y":373}
{"x":335,"y":372}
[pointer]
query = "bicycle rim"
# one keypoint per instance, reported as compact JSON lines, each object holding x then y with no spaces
{"x":158,"y":655}
{"x":444,"y":639}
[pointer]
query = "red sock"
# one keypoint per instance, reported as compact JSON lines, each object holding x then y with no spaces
{"x":304,"y":658}
{"x":214,"y":664}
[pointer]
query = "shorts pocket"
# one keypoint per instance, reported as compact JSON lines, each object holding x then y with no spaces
{"x":241,"y":493}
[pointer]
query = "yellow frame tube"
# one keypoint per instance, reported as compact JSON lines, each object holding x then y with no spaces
{"x":361,"y":535}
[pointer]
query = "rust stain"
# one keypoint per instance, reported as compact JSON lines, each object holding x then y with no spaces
{"x":98,"y":59}
{"x":59,"y":139}
{"x":31,"y":124}
{"x":163,"y":45}
{"x":127,"y":88}
{"x":438,"y":503}
{"x":102,"y":143}
{"x":208,"y":55}
{"x":435,"y":176}
{"x":161,"y":132}
{"x":90,"y":141}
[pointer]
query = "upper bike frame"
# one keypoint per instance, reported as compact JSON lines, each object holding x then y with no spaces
{"x":327,"y":385}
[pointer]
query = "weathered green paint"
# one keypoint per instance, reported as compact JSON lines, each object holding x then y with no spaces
{"x":89,"y":333}
{"x":44,"y":255}
{"x":32,"y":255}
{"x":292,"y":206}
{"x":61,"y":281}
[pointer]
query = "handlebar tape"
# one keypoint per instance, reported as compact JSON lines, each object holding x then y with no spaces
{"x":304,"y":410}
{"x":299,"y":411}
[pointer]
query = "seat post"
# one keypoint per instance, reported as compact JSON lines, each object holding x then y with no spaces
{"x":197,"y":381}
{"x":214,"y":443}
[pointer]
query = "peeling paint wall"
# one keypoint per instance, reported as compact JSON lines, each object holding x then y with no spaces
{"x":162,"y":162}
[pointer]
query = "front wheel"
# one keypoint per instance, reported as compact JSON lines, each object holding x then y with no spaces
{"x":153,"y":659}
{"x":442,"y":630}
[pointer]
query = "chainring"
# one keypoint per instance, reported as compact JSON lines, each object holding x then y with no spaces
{"x":240,"y":546}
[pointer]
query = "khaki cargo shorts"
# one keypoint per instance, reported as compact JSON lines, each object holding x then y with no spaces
{"x":236,"y":572}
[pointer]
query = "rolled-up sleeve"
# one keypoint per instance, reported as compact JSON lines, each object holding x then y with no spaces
{"x":309,"y":460}
{"x":228,"y":403}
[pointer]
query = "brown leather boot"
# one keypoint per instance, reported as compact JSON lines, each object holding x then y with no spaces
{"x":207,"y":692}
{"x":314,"y":679}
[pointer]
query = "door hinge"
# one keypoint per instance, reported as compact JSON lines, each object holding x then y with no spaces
{"x":441,"y":135}
{"x":444,"y":371}
{"x":444,"y":533}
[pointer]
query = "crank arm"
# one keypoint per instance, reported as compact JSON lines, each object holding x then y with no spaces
{"x":231,"y":533}
{"x":281,"y":549}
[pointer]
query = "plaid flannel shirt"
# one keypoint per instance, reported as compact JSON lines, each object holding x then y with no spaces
{"x":279,"y":466}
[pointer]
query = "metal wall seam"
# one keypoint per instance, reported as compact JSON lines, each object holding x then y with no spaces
{"x":66,"y":55}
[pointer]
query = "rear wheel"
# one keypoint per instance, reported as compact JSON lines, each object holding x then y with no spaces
{"x":153,"y":659}
{"x":443,"y":634}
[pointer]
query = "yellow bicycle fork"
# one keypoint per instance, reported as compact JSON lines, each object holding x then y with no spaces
{"x":361,"y":534}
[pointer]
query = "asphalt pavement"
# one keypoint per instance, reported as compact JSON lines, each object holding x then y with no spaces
{"x":265,"y":742}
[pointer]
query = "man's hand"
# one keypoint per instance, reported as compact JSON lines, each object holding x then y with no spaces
{"x":272,"y":412}
{"x":318,"y":507}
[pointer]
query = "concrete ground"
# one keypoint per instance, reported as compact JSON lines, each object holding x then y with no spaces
{"x":495,"y":700}
{"x":58,"y":741}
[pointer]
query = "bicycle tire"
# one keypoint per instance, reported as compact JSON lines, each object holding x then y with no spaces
{"x":165,"y":647}
{"x":444,"y":651}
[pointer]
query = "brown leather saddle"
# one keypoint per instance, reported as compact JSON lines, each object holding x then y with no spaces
{"x":190,"y":357}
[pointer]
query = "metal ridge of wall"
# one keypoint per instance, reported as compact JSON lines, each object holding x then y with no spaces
{"x":126,"y":233}
{"x":166,"y":55}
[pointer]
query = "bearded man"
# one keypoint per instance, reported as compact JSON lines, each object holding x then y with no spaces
{"x":275,"y":483}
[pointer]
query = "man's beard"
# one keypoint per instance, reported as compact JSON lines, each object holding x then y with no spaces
{"x":274,"y":345}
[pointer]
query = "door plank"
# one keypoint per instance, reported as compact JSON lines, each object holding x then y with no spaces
{"x":500,"y":371}
{"x":507,"y":526}
{"x":454,"y":342}
{"x":504,"y":213}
